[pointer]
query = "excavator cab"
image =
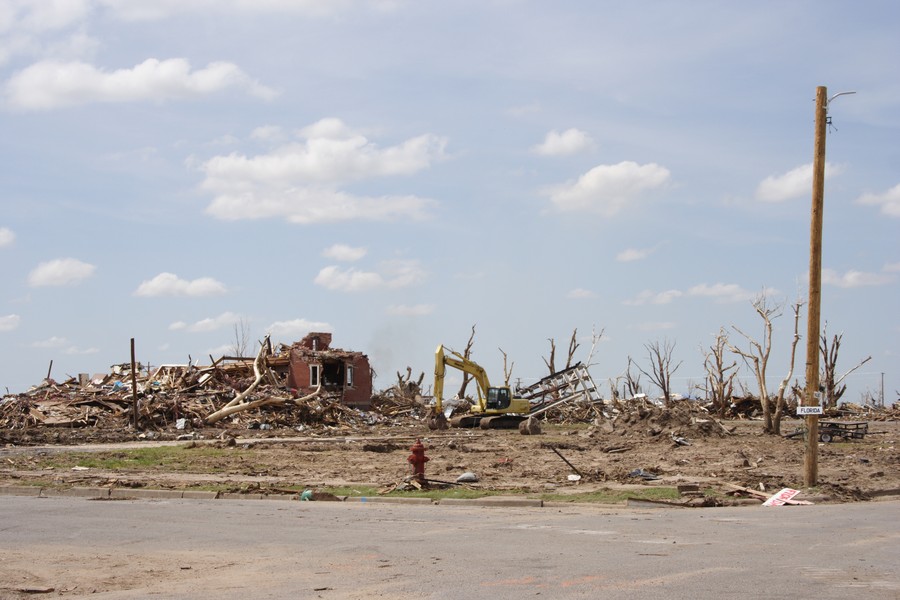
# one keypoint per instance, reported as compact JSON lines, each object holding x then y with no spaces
{"x":498,"y":398}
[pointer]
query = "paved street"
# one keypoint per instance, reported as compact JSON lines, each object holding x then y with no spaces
{"x":282,"y":549}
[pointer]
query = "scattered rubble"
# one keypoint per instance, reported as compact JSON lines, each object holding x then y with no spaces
{"x":339,"y":435}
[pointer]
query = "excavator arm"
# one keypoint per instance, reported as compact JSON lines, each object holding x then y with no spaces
{"x":457,"y":361}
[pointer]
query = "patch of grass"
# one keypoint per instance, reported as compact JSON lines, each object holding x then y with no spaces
{"x":174,"y":458}
{"x":453,"y":492}
{"x":603,"y":496}
{"x":615,"y":496}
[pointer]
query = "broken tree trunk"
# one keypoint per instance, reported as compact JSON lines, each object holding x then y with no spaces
{"x":236,"y":408}
{"x":260,"y":371}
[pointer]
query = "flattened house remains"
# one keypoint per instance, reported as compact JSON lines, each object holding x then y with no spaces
{"x":284,"y":381}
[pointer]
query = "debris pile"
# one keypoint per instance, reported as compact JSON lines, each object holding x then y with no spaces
{"x":232,"y":391}
{"x":679,"y":422}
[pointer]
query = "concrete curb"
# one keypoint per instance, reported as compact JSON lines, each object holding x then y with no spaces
{"x":493,"y":502}
{"x":199,"y":495}
{"x":20,"y":490}
{"x":142,"y":493}
{"x":75,"y":492}
{"x":388,"y":500}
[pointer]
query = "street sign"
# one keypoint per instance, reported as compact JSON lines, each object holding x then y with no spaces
{"x":781,"y":498}
{"x":809,"y":410}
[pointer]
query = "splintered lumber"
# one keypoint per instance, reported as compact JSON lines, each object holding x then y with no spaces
{"x":260,"y":370}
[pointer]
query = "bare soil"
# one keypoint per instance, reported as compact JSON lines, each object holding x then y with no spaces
{"x":674,"y":446}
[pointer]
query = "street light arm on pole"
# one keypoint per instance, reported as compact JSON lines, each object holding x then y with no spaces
{"x":836,"y":95}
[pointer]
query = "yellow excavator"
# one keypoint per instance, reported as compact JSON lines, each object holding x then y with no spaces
{"x":495,"y":407}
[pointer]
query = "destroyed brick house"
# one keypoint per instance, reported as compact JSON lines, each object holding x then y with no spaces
{"x":342,"y":373}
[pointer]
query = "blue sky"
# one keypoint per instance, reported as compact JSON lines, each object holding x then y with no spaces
{"x":397,"y":171}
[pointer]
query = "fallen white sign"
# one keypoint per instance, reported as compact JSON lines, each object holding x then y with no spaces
{"x":783,"y":497}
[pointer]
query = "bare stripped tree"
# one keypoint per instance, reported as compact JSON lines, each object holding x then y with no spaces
{"x":661,"y":369}
{"x":570,"y":355}
{"x":632,"y":380}
{"x":551,"y":362}
{"x":614,"y":389}
{"x":573,"y":347}
{"x":241,"y":339}
{"x":467,"y":354}
{"x":832,"y":383}
{"x":757,"y":356}
{"x":573,"y":350}
{"x":719,"y":386}
{"x":596,"y":337}
{"x":507,"y":370}
{"x":783,"y":386}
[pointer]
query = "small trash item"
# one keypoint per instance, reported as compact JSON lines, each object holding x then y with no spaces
{"x":468,"y":477}
{"x":680,"y":440}
{"x":265,"y":426}
{"x":574,"y":477}
{"x":643,"y":474}
{"x":306,"y":496}
{"x":181,"y":423}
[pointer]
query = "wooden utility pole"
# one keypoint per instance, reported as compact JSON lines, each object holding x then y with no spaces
{"x":134,"y":393}
{"x":811,"y":459}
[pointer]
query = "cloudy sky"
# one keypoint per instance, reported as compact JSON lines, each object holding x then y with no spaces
{"x":397,"y":171}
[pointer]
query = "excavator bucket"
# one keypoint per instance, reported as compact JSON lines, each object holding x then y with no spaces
{"x":437,"y":421}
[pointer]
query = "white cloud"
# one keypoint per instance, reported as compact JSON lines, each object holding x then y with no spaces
{"x":892,"y":267}
{"x":344,"y":252}
{"x":417,"y":310}
{"x":300,"y":181}
{"x":348,"y":280}
{"x":632,"y":254}
{"x":138,"y":10}
{"x":722,"y":292}
{"x":169,"y":284}
{"x":79,"y":351}
{"x":394,"y":274}
{"x":312,"y":205}
{"x":7,"y":237}
{"x":330,"y":154}
{"x":226,"y":319}
{"x":854,"y":279}
{"x":62,"y":271}
{"x":296,"y":329}
{"x":889,"y":201}
{"x":53,"y":342}
{"x":52,"y":84}
{"x":579,"y":293}
{"x":793,"y":184}
{"x":402,"y":273}
{"x":608,"y":189}
{"x":63,"y":345}
{"x":9,"y":322}
{"x":649,"y":297}
{"x":268,"y":133}
{"x":570,"y":141}
{"x":178,"y":326}
{"x":43,"y":15}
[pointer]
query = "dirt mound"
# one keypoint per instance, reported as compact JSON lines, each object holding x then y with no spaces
{"x":678,"y":423}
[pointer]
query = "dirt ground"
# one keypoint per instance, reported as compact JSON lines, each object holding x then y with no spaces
{"x":643,"y":447}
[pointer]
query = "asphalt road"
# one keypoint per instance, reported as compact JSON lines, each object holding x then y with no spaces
{"x":236,"y":549}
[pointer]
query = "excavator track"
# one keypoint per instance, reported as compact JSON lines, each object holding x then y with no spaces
{"x":501,"y":421}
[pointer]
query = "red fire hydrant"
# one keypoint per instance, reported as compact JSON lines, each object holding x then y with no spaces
{"x":418,"y":459}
